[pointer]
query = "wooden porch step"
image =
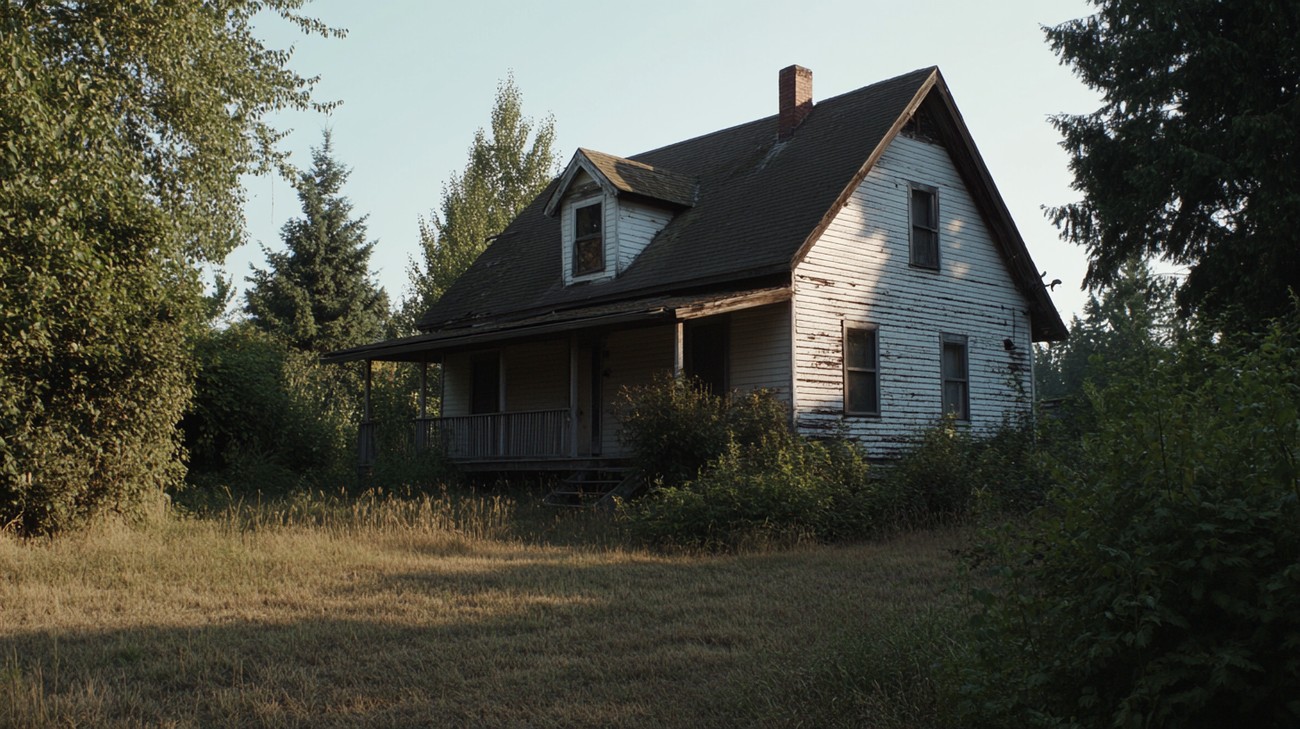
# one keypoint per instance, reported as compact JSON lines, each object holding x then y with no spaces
{"x":589,"y":485}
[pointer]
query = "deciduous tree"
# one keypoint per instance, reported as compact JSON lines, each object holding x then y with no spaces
{"x":125,"y":128}
{"x":504,"y":173}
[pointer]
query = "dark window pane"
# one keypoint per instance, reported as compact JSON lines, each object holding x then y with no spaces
{"x":862,"y":394}
{"x":925,"y":248}
{"x":588,"y":244}
{"x":588,"y":256}
{"x":923,"y":209}
{"x":954,"y":399}
{"x":954,"y":361}
{"x":925,"y":228}
{"x":861,"y":349}
{"x":587,"y":221}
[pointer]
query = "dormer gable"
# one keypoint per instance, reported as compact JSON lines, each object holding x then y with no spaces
{"x":610,"y":208}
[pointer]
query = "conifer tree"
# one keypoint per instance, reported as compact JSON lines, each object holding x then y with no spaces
{"x":318,"y":294}
{"x":1192,"y":156}
{"x":504,"y":173}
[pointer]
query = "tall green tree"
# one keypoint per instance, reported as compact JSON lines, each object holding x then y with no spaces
{"x":318,"y":294}
{"x":1192,"y":156}
{"x":1122,"y":322}
{"x":504,"y":173}
{"x":125,"y":129}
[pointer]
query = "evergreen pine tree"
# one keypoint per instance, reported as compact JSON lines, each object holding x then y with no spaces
{"x":318,"y":294}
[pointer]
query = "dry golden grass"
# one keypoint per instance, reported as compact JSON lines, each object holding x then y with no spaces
{"x":427,"y":613}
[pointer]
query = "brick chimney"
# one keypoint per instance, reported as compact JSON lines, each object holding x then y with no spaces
{"x":795,"y":95}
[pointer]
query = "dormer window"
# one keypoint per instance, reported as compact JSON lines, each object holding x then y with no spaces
{"x":612,"y":208}
{"x":588,"y":241}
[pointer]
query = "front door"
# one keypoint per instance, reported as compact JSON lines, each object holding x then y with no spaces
{"x":590,"y":400}
{"x":485,"y":384}
{"x":707,"y":344}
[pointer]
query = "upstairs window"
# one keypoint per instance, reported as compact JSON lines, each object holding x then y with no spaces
{"x":925,"y":227}
{"x":956,"y":377}
{"x":861,"y":371}
{"x":588,"y":241}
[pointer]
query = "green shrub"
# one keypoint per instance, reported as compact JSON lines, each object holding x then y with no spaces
{"x":947,"y":472}
{"x":762,"y":493}
{"x":265,"y":418}
{"x":1160,"y":584}
{"x":673,"y":427}
{"x":733,"y":471}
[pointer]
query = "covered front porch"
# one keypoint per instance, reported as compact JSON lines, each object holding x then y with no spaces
{"x":547,"y":395}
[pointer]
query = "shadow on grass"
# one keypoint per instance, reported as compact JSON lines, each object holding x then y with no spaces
{"x":537,"y":637}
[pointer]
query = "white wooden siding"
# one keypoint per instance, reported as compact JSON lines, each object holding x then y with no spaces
{"x":636,"y":225}
{"x":760,"y":349}
{"x":858,"y":271}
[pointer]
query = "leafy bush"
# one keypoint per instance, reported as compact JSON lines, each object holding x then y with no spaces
{"x":400,"y":464}
{"x":759,"y":494}
{"x":1160,"y":585}
{"x":733,"y":471}
{"x":265,"y":418}
{"x":947,"y":472}
{"x":674,"y":428}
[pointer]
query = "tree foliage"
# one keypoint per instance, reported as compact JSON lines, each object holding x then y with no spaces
{"x":1132,"y":315}
{"x":126,"y":126}
{"x":1160,"y":587}
{"x":262,"y":418}
{"x":318,"y":295}
{"x":1192,"y":155}
{"x":504,"y":173}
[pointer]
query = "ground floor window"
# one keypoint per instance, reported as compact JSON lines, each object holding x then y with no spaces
{"x":861,"y":370}
{"x":956,"y":376}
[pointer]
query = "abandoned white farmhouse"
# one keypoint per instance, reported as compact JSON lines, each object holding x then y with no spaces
{"x":852,"y":255}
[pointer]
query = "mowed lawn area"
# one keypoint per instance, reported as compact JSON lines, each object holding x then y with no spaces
{"x":412,"y":615}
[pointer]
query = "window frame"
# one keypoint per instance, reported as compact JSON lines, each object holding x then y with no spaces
{"x":956,"y":340}
{"x":912,"y":227}
{"x":578,"y":240}
{"x":847,"y":329}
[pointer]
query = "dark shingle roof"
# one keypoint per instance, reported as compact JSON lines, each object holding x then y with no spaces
{"x":639,"y":178}
{"x":756,"y":201}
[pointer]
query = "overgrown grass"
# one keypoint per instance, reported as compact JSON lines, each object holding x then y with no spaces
{"x":459,"y":612}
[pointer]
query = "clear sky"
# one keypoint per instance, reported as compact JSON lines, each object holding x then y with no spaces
{"x":418,"y":77}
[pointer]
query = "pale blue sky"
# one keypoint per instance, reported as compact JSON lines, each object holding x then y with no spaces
{"x":418,"y":78}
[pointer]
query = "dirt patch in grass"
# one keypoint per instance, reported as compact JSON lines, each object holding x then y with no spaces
{"x":206,"y":622}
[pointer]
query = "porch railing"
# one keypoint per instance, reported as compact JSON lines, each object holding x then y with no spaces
{"x":529,"y":434}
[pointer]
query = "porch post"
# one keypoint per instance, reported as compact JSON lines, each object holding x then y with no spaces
{"x":367,"y":407}
{"x":573,"y":396}
{"x":366,"y":431}
{"x":422,"y":423}
{"x":424,"y":389}
{"x":679,"y":349}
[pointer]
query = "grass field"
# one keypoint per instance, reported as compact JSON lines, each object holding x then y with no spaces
{"x":439,"y":613}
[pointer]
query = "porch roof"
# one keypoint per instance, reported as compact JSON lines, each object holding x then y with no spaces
{"x":637,"y":312}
